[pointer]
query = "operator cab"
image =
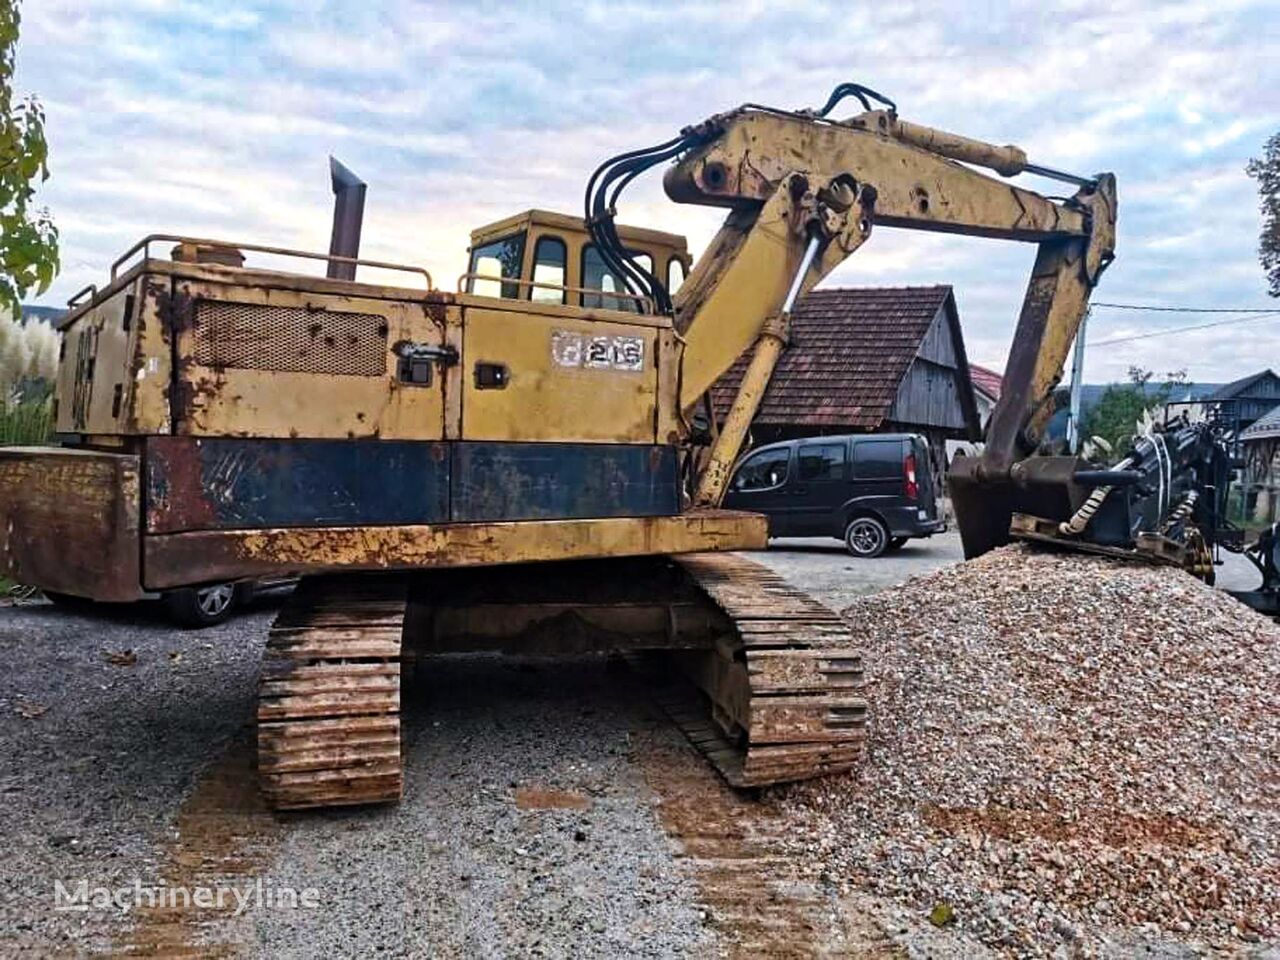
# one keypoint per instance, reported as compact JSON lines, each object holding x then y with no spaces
{"x":548,"y":257}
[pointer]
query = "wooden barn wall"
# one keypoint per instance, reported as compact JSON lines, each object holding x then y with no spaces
{"x":929,"y":392}
{"x":1258,"y":399}
{"x":929,"y":396}
{"x":938,"y":345}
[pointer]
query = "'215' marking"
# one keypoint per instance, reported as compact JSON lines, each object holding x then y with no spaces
{"x":570,"y":349}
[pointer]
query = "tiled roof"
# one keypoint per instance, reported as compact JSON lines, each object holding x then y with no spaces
{"x":1263,"y":427}
{"x":988,"y":381}
{"x":850,"y":348}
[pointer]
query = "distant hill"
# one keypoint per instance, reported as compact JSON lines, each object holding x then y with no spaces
{"x":47,"y":314}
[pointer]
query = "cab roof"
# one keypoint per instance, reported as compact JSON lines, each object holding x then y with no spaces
{"x":570,"y":224}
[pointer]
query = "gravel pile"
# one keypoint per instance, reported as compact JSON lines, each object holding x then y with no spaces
{"x":1068,"y":754}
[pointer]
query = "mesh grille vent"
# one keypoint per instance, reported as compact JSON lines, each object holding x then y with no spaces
{"x":289,"y":339}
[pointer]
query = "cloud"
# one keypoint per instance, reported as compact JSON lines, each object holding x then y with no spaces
{"x":215,"y":119}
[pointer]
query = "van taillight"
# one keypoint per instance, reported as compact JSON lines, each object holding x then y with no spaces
{"x":912,"y":489}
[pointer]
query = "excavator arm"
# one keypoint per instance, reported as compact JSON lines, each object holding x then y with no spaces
{"x":804,"y":192}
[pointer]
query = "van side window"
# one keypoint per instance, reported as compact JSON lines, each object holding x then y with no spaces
{"x":549,"y":258}
{"x":822,"y":461}
{"x":877,"y":459}
{"x":764,"y":471}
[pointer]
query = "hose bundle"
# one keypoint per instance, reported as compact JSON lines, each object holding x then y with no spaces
{"x":611,"y":177}
{"x":603,"y":190}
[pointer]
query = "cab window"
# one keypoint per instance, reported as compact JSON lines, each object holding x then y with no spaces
{"x":501,"y":258}
{"x":549,"y":260}
{"x":643,"y":260}
{"x":597,"y":276}
{"x":675,"y":274}
{"x":821,"y":461}
{"x":766,"y":470}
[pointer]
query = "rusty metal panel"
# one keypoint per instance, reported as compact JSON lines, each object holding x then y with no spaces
{"x":178,"y":558}
{"x":534,"y":481}
{"x":266,"y":361}
{"x":96,"y":373}
{"x":209,"y":483}
{"x":69,"y":521}
{"x":568,"y":378}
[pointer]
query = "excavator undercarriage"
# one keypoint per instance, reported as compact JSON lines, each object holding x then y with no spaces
{"x":765,"y":681}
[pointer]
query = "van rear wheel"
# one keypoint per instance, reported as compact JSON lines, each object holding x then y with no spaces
{"x":866,"y":537}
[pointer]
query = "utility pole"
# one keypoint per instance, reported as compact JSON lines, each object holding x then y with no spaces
{"x":1077,"y":379}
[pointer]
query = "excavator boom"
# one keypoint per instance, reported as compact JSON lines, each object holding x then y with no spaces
{"x":804,"y":193}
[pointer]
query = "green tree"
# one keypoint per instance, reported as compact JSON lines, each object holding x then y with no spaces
{"x":1266,"y":170}
{"x":1121,"y":406}
{"x":28,"y":238}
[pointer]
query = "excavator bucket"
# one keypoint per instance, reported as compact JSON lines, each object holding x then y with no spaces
{"x":985,"y":504}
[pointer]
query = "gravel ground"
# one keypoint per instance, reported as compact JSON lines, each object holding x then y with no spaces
{"x":528,"y":826}
{"x":527,"y":829}
{"x":824,"y":568}
{"x":1066,"y":754}
{"x":548,"y":810}
{"x":95,"y":755}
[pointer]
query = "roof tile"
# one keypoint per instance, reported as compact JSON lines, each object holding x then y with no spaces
{"x":850,"y":348}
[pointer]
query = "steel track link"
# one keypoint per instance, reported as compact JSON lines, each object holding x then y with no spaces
{"x":329,"y":697}
{"x":785,"y":688}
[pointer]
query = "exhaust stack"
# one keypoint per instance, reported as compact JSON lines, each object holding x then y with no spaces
{"x":348,"y":215}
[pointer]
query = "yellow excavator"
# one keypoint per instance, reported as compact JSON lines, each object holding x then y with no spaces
{"x":516,"y":465}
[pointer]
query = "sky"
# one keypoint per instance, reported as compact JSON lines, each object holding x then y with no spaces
{"x":216,"y":119}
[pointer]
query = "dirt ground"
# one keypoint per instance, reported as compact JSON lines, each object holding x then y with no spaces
{"x":550,"y":809}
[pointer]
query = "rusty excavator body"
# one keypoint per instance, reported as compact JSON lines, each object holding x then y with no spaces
{"x":515,"y":465}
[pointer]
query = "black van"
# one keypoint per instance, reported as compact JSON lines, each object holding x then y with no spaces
{"x":873,"y":491}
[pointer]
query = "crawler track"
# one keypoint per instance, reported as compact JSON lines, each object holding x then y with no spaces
{"x":784,"y":682}
{"x":763,"y":679}
{"x":329,"y":698}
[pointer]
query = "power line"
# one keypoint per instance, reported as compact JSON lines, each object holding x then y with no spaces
{"x":1259,"y":315}
{"x":1154,"y":309}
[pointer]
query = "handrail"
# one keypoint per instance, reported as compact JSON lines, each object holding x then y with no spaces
{"x":74,"y":301}
{"x":145,"y":243}
{"x":589,"y":291}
